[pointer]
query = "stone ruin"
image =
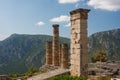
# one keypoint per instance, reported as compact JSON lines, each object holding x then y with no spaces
{"x":79,"y":42}
{"x":55,"y":45}
{"x":57,"y":54}
{"x":4,"y":77}
{"x":109,"y":68}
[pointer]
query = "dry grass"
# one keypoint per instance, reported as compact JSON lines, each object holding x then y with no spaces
{"x":98,"y":78}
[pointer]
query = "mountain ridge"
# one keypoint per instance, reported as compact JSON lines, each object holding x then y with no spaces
{"x":106,"y":40}
{"x":22,"y":51}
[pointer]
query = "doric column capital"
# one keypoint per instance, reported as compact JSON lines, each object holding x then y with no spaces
{"x":79,"y":14}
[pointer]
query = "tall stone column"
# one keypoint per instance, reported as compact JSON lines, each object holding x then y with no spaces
{"x":64,"y":56}
{"x":49,"y":52}
{"x":60,"y":54}
{"x":79,"y":42}
{"x":55,"y":45}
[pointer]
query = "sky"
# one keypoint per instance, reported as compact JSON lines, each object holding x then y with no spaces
{"x":37,"y":16}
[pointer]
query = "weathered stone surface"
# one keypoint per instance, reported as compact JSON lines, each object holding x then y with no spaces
{"x":47,"y":68}
{"x":79,"y":42}
{"x":60,"y":51}
{"x":79,"y":14}
{"x":4,"y":77}
{"x":49,"y":52}
{"x":64,"y":56}
{"x":55,"y":45}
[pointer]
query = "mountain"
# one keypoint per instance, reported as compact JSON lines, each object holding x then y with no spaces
{"x":108,"y":41}
{"x":20,"y":52}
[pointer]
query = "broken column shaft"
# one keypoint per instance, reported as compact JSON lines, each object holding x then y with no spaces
{"x":59,"y":54}
{"x":49,"y":52}
{"x":64,"y":56}
{"x":55,"y":45}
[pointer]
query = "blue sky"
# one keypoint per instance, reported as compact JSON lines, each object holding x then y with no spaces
{"x":38,"y":16}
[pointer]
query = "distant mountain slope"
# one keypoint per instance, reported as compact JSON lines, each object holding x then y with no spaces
{"x":106,"y":40}
{"x":19,"y":52}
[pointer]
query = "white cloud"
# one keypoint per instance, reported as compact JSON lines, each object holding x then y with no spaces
{"x":40,"y":23}
{"x":67,"y":25}
{"x":67,"y":1}
{"x":62,"y":18}
{"x":110,"y":5}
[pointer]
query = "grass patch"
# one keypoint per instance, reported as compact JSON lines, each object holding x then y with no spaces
{"x":67,"y":77}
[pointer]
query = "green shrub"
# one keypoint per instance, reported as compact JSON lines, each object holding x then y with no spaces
{"x":28,"y":73}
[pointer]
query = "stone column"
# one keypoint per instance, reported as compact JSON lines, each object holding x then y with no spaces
{"x":64,"y":56}
{"x":49,"y":52}
{"x":4,"y":77}
{"x":55,"y":45}
{"x":60,"y":54}
{"x":79,"y":42}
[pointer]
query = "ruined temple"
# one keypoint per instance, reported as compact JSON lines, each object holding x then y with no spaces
{"x":57,"y":54}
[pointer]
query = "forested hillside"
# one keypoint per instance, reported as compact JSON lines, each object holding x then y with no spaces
{"x":20,"y":52}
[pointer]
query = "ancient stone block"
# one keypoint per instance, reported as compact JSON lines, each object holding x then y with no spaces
{"x":49,"y":52}
{"x":55,"y":45}
{"x":60,"y":52}
{"x":4,"y":77}
{"x":64,"y":56}
{"x":79,"y":41}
